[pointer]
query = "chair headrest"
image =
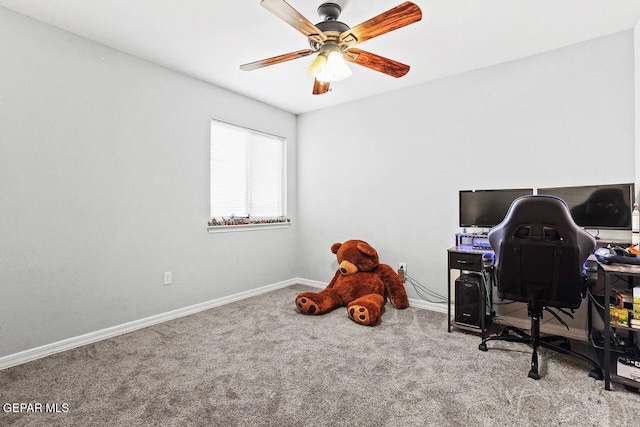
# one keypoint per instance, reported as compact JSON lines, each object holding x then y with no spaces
{"x":540,"y":209}
{"x":541,"y":217}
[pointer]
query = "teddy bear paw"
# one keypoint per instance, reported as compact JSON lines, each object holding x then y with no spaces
{"x":307,"y":306}
{"x":360,"y":314}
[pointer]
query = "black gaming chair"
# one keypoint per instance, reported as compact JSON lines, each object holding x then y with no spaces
{"x":540,"y":256}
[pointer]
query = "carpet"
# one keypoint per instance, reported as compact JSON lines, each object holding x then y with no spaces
{"x":259,"y":362}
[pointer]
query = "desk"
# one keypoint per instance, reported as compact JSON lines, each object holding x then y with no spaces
{"x":463,"y":258}
{"x":609,"y":366}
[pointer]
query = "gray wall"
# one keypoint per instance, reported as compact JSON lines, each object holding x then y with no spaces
{"x":388,"y":169}
{"x":104,"y":185}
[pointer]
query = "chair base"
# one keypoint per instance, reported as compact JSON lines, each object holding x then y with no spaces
{"x":535,"y":341}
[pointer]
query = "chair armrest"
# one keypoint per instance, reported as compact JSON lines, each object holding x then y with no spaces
{"x":591,"y":265}
{"x":488,"y":260}
{"x":590,"y":271}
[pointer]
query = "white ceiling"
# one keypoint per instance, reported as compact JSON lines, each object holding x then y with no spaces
{"x":210,"y":39}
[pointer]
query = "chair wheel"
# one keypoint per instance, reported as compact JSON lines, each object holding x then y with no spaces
{"x":534,"y":374}
{"x":596,"y":373}
{"x":483,"y":347}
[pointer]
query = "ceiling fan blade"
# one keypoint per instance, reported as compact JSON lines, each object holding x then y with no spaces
{"x":288,"y":14}
{"x":276,"y":60}
{"x":376,"y":62}
{"x":320,"y":87}
{"x":398,"y":17}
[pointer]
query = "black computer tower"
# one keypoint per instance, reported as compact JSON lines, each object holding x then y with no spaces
{"x":469,"y":300}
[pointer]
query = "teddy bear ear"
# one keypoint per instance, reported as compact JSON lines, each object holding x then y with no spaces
{"x":335,"y":247}
{"x":366,"y":249}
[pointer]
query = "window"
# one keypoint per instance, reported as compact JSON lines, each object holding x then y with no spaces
{"x":248,"y":176}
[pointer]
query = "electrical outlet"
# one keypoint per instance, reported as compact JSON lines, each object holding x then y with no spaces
{"x":402,"y":271}
{"x":167,"y":277}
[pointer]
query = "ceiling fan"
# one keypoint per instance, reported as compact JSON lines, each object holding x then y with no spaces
{"x":333,"y":41}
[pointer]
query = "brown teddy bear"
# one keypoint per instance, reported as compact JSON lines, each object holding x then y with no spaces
{"x":361,"y":284}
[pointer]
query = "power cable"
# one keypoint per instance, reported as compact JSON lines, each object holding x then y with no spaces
{"x":421,"y":290}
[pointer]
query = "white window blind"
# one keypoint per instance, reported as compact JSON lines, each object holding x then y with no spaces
{"x":248,"y":173}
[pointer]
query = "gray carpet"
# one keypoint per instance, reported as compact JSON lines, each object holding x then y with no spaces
{"x":258,"y":362}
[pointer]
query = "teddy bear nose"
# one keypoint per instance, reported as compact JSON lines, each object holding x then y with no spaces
{"x":347,"y":268}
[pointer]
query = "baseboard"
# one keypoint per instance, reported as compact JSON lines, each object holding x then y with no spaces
{"x":523,"y":323}
{"x":433,"y":306}
{"x":70,"y":343}
{"x":312,"y":283}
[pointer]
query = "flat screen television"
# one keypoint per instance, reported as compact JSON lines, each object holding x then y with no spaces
{"x":487,"y":208}
{"x":598,"y":206}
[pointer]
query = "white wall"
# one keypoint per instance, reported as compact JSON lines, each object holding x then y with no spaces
{"x":388,"y":169}
{"x":104,"y":185}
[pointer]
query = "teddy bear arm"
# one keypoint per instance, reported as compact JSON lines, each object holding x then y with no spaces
{"x":334,"y":280}
{"x":394,"y":286}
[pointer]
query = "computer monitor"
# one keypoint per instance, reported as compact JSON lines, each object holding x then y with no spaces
{"x":487,"y":208}
{"x":598,"y":206}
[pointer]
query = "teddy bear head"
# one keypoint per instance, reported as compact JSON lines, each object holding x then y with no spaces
{"x":354,"y":256}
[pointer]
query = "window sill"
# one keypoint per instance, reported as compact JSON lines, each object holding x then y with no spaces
{"x":246,"y":227}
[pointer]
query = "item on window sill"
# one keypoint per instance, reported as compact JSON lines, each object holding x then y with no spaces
{"x":244,"y":221}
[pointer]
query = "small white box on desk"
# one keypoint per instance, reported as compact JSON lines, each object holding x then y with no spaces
{"x":629,"y":367}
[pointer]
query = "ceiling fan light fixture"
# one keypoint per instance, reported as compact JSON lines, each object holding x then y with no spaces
{"x":333,"y":41}
{"x":318,"y":65}
{"x":330,"y":66}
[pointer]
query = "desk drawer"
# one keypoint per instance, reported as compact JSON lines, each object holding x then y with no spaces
{"x":462,"y":261}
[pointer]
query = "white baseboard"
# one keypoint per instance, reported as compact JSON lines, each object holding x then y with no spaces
{"x":523,"y":323}
{"x":68,"y":344}
{"x":312,"y":283}
{"x":433,"y":306}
